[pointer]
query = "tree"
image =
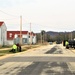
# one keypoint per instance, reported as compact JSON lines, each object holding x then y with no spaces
{"x":43,"y":36}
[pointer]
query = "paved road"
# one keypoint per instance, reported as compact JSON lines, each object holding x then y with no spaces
{"x":38,"y":68}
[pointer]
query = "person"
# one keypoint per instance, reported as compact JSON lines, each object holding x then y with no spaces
{"x":66,"y":44}
{"x":14,"y":48}
{"x":18,"y":47}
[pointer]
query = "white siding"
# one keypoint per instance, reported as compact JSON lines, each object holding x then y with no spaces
{"x":34,"y":40}
{"x":16,"y":35}
{"x":3,"y":34}
{"x":25,"y":39}
{"x":10,"y":42}
{"x":0,"y":36}
{"x":30,"y":39}
{"x":24,"y":36}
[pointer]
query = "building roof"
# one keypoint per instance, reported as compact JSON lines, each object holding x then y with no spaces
{"x":12,"y":33}
{"x":32,"y":33}
{"x":1,"y":23}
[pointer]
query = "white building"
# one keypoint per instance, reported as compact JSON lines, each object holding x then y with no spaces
{"x":3,"y":34}
{"x":14,"y":37}
{"x":32,"y":38}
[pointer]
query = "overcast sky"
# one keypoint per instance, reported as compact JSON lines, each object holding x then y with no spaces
{"x":48,"y":15}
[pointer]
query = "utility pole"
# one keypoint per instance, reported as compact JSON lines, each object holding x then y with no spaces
{"x":21,"y":30}
{"x":41,"y":37}
{"x":30,"y":34}
{"x":65,"y":35}
{"x":41,"y":34}
{"x":71,"y":35}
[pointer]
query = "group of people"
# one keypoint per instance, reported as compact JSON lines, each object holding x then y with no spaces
{"x":16,"y":48}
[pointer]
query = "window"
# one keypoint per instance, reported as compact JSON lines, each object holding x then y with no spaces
{"x":10,"y":35}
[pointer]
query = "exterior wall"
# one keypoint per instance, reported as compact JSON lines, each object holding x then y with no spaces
{"x":30,"y":39}
{"x":10,"y":42}
{"x":0,"y":37}
{"x":17,"y":40}
{"x":3,"y":34}
{"x":34,"y":40}
{"x":25,"y":39}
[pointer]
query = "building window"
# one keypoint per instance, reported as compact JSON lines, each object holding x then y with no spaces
{"x":24,"y":40}
{"x":16,"y":35}
{"x":10,"y":35}
{"x":29,"y":36}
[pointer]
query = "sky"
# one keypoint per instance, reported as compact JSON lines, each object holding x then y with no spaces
{"x":48,"y":15}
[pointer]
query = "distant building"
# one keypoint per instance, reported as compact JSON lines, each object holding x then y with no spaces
{"x":32,"y":38}
{"x":14,"y":37}
{"x":3,"y":34}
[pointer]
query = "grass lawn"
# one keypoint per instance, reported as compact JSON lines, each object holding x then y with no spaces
{"x":4,"y":52}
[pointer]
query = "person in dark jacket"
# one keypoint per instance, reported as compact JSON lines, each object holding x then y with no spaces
{"x":19,"y":47}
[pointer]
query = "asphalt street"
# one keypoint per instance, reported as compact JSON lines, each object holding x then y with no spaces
{"x":39,"y":68}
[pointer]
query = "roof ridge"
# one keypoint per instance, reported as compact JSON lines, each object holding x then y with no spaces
{"x":1,"y":22}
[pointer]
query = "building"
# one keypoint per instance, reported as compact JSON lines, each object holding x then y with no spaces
{"x":32,"y":38}
{"x":14,"y":37}
{"x":3,"y":34}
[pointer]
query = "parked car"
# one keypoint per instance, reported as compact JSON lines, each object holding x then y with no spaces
{"x":58,"y":42}
{"x":71,"y":44}
{"x":50,"y":43}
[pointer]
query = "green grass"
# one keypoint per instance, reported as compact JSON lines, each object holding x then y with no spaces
{"x":1,"y":47}
{"x":4,"y":52}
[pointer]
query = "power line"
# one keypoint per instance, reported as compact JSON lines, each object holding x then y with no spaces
{"x":8,"y":14}
{"x":8,"y":19}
